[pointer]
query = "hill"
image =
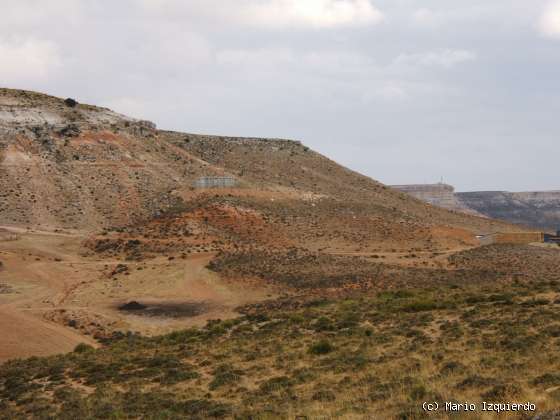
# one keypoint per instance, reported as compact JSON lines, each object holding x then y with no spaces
{"x":75,"y":166}
{"x":207,"y":276}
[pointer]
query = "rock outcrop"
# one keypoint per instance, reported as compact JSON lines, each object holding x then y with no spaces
{"x":540,"y":209}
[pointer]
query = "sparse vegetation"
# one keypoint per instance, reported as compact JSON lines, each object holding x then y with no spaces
{"x":348,"y":355}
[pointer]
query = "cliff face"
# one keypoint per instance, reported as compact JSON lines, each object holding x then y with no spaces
{"x":440,"y":195}
{"x":538,"y":209}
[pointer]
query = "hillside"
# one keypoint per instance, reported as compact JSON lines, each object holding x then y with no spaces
{"x":261,"y":297}
{"x":85,"y":168}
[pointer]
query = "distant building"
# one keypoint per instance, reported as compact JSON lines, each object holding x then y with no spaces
{"x":436,"y":194}
{"x":215,"y":182}
{"x":440,"y":194}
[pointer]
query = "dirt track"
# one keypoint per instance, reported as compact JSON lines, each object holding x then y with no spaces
{"x":58,"y":297}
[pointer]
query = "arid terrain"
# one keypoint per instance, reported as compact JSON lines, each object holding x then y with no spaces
{"x":303,"y":288}
{"x":535,"y":209}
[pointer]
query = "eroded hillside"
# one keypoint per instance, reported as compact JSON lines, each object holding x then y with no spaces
{"x":74,"y":166}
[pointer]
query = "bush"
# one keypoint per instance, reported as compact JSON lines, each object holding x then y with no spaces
{"x":323,"y":324}
{"x":418,"y":392}
{"x":421,"y":306}
{"x":275,"y":384}
{"x":535,"y":302}
{"x":451,"y":367}
{"x":224,"y":375}
{"x":173,"y":376}
{"x":70,"y":102}
{"x":83,"y":348}
{"x":501,"y":392}
{"x":324,"y":396}
{"x":475,"y":381}
{"x":321,"y":347}
{"x":548,"y":379}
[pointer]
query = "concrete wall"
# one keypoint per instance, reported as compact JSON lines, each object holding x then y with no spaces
{"x":215,"y":182}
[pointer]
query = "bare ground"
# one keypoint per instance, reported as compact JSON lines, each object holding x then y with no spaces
{"x":57,"y":297}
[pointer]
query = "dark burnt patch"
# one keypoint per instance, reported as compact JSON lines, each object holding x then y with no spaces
{"x":132,"y":306}
{"x":165,"y":309}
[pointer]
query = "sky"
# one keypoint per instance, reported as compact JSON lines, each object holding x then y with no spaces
{"x":404,"y":91}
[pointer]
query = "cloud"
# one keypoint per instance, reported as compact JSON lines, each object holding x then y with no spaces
{"x":462,"y":13}
{"x":269,"y":58}
{"x":27,"y":60}
{"x":426,"y":17}
{"x":391,"y":90}
{"x":312,"y":13}
{"x":446,"y":58}
{"x":292,"y":68}
{"x":25,"y":13}
{"x":549,"y":24}
{"x":129,"y":106}
{"x":271,"y":14}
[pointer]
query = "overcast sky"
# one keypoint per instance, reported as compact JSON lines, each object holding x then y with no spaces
{"x":404,"y":91}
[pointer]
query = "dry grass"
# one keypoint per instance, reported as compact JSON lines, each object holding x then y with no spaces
{"x":375,"y":357}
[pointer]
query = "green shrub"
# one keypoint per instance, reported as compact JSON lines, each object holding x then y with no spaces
{"x":323,"y":324}
{"x":535,"y":302}
{"x":397,"y":294}
{"x":475,"y":381}
{"x":324,"y":396}
{"x":278,"y":383}
{"x":321,"y":347}
{"x":224,"y":375}
{"x":421,"y":306}
{"x":173,"y":376}
{"x":417,"y":392}
{"x":501,"y":392}
{"x":548,"y":379}
{"x":451,"y":367}
{"x":83,"y":348}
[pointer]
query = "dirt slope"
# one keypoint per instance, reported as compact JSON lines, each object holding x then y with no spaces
{"x":74,"y":166}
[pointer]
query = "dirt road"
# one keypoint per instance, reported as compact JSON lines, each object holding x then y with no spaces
{"x":55,"y":293}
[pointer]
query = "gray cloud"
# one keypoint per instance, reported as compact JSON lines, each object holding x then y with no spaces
{"x":405,"y":91}
{"x":550,"y":20}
